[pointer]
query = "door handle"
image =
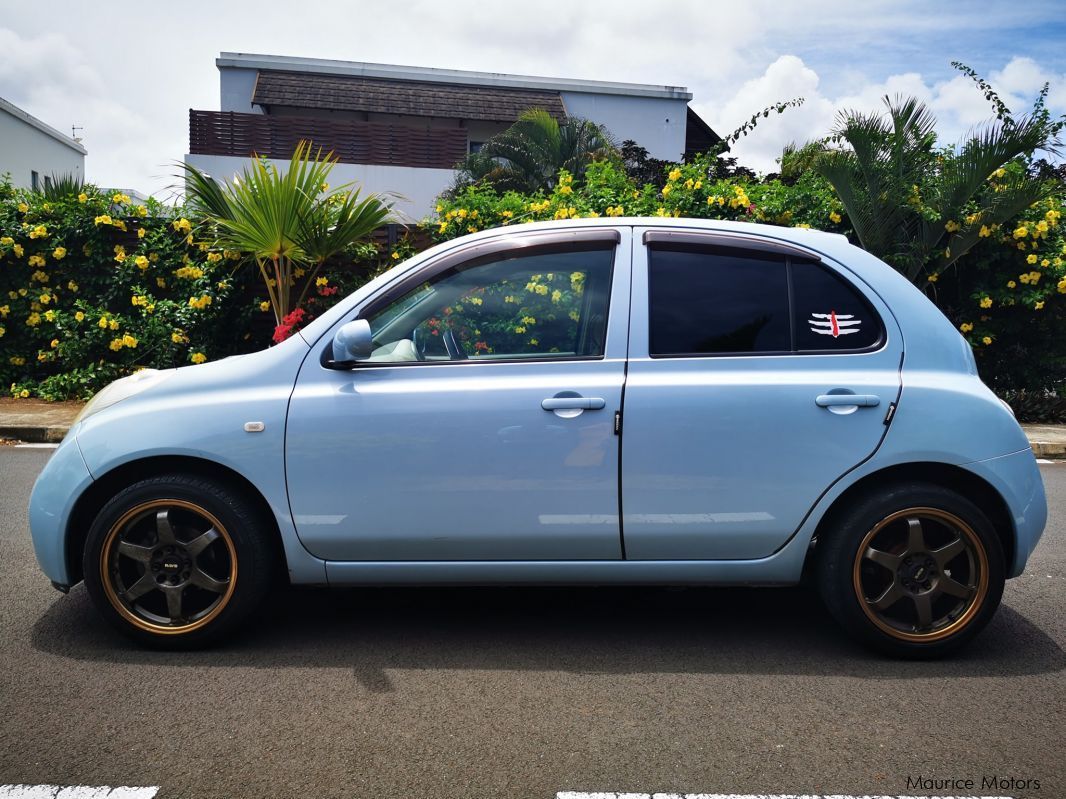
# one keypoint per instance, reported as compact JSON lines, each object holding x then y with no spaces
{"x":573,"y":403}
{"x":836,"y":400}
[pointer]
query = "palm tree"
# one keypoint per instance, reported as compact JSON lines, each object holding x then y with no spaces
{"x":528,"y":155}
{"x":921,"y":208}
{"x":285,"y":220}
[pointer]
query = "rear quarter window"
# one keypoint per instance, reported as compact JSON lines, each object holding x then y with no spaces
{"x":829,"y":313}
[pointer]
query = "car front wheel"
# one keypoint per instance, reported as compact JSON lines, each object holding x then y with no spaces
{"x":915,"y":570}
{"x":178,"y":561}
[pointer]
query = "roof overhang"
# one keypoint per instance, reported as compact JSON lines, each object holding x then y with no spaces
{"x":48,"y":130}
{"x":324,"y":66}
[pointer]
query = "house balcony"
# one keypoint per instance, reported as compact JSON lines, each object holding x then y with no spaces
{"x":228,"y":133}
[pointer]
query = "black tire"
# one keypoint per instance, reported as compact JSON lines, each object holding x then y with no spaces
{"x":178,"y":561}
{"x":914,"y":570}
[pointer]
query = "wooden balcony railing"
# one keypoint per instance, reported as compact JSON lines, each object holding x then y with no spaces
{"x":245,"y":135}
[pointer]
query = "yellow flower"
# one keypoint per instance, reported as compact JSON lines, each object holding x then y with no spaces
{"x":834,"y":217}
{"x":45,"y":299}
{"x":557,"y":295}
{"x":6,"y":241}
{"x":1039,"y":305}
{"x":264,"y":306}
{"x":17,"y":360}
{"x":667,"y":189}
{"x":443,"y":226}
{"x":140,"y":232}
{"x":1031,"y":259}
{"x":4,"y":310}
{"x":952,"y":226}
{"x":120,"y":198}
{"x":1011,"y":284}
{"x":116,"y":344}
{"x":83,"y":197}
{"x":986,"y":340}
{"x":160,"y":283}
{"x":25,"y":392}
{"x":102,"y":323}
{"x":933,"y":278}
{"x":33,"y":319}
{"x":79,"y":316}
{"x":17,"y":249}
{"x":519,"y":329}
{"x":178,"y":337}
{"x":182,"y":225}
{"x":50,"y":316}
{"x":189,"y":272}
{"x":129,"y":341}
{"x":986,"y":302}
{"x":2,"y":331}
{"x":104,"y":219}
{"x":39,"y":232}
{"x":566,"y":190}
{"x":54,"y":343}
{"x":59,"y":253}
{"x":112,"y":324}
{"x":23,"y":207}
{"x":1045,"y":263}
{"x":197,"y":357}
{"x":36,"y":260}
{"x":201,"y":302}
{"x":966,"y":327}
{"x":141,"y":262}
{"x":674,"y":174}
{"x":1000,"y":172}
{"x":1021,"y":232}
{"x":120,"y":256}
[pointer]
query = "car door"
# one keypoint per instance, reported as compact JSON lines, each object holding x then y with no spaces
{"x":482,"y":425}
{"x":758,"y":375}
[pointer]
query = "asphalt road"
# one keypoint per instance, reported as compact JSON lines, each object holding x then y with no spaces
{"x":523,"y":693}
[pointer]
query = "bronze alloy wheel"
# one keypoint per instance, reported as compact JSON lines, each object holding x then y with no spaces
{"x":168,"y":566}
{"x":921,"y":574}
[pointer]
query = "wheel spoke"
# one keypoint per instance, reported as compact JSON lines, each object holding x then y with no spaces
{"x":915,"y":536}
{"x":948,"y":553}
{"x":134,"y":552}
{"x":173,"y":594}
{"x":923,"y":604}
{"x":888,"y":598}
{"x":953,"y":587}
{"x":140,"y":588}
{"x":204,"y":580}
{"x":882,"y":558}
{"x":163,"y":529}
{"x":202,"y":542}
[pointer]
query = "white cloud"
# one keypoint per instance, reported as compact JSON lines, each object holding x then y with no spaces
{"x":957,"y":103}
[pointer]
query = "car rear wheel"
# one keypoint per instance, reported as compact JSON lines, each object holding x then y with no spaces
{"x":177,"y":561}
{"x":915,"y":570}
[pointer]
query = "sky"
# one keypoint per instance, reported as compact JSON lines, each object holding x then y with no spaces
{"x":127,"y":73}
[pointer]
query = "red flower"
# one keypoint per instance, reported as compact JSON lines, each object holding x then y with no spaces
{"x":282,"y":332}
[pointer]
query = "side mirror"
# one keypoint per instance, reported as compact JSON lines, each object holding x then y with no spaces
{"x":353,"y":342}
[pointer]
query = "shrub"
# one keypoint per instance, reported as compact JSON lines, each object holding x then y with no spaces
{"x":94,"y":286}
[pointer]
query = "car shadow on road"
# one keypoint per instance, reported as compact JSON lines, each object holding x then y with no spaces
{"x":581,"y":630}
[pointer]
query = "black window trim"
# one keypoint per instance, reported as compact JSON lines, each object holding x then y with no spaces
{"x":524,"y":244}
{"x":688,"y":240}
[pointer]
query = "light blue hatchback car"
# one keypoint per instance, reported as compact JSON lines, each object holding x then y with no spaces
{"x":661,"y":401}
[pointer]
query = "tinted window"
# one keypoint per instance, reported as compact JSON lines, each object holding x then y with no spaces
{"x":829,"y":313}
{"x":706,"y":301}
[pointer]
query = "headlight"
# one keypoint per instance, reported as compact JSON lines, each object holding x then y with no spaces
{"x":123,"y":388}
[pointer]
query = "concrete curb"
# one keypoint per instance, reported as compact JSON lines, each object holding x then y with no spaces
{"x":1044,"y":449}
{"x":34,"y":435}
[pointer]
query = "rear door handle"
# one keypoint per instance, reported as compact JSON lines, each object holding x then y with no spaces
{"x":862,"y":400}
{"x":573,"y":403}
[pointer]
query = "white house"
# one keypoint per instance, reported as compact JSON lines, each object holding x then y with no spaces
{"x":33,"y":152}
{"x":401,"y":129}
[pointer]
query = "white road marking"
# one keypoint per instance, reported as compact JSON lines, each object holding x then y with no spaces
{"x":1046,"y":460}
{"x":35,"y":446}
{"x":75,"y":792}
{"x":613,"y":795}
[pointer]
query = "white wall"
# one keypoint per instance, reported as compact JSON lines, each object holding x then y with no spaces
{"x":418,"y":187}
{"x":25,"y":149}
{"x":655,"y":123}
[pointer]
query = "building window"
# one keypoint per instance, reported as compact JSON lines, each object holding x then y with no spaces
{"x":47,"y":182}
{"x":34,"y":179}
{"x":475,"y":146}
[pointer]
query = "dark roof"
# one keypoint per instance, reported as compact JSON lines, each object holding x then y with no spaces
{"x":699,"y":137}
{"x":346,"y":93}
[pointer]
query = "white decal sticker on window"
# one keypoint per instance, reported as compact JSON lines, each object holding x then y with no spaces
{"x":832,"y":324}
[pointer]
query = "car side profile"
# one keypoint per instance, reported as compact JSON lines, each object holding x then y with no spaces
{"x":601,"y":401}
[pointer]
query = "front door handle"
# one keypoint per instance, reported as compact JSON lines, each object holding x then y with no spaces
{"x":835,"y":400}
{"x":573,"y":403}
